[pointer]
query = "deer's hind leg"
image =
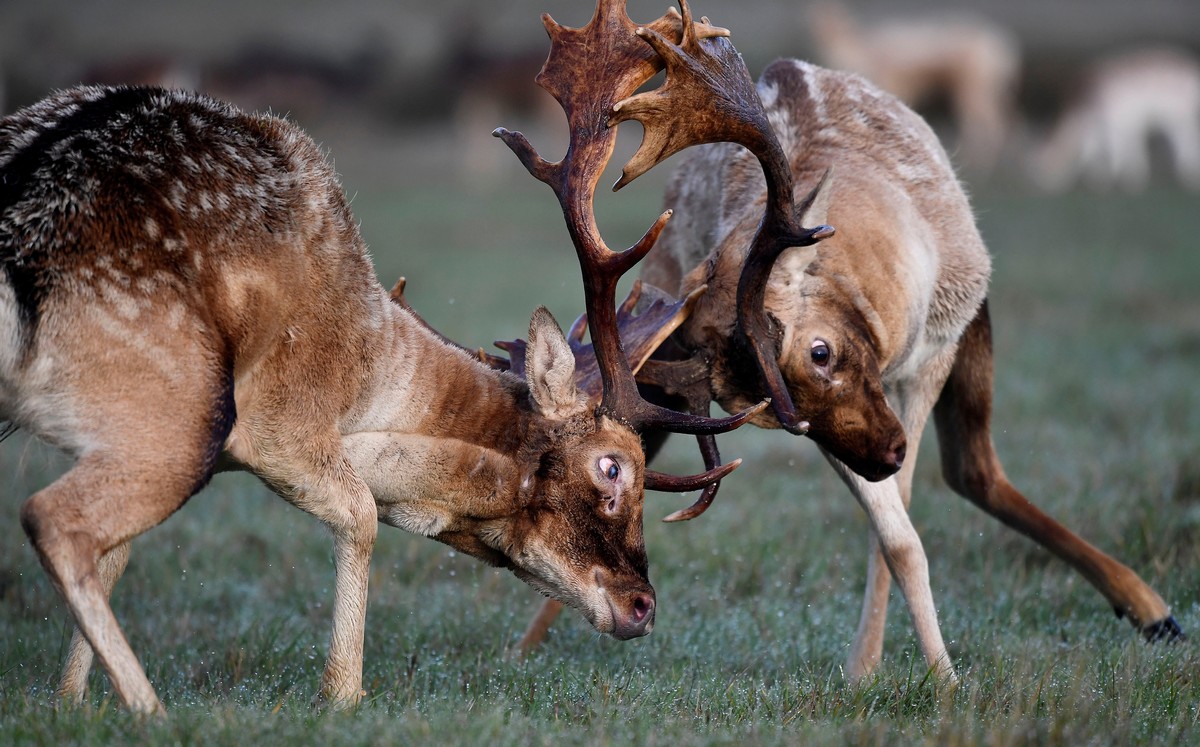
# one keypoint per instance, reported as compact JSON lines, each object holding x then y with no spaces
{"x":72,"y":686}
{"x":143,"y":457}
{"x":971,"y":467}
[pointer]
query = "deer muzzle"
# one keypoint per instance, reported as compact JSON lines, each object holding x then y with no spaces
{"x":632,"y":608}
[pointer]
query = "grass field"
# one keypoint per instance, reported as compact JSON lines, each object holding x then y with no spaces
{"x":1096,"y":305}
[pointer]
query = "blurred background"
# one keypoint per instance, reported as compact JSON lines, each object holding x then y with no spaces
{"x":1032,"y":96}
{"x":1000,"y":80}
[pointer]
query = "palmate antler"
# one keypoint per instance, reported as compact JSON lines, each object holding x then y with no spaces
{"x":709,"y":97}
{"x":588,"y":71}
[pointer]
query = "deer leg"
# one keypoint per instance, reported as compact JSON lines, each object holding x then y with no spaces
{"x":539,"y":626}
{"x":904,"y":556}
{"x":969,"y":463}
{"x":335,"y":494}
{"x":72,"y":686}
{"x":1183,"y":137}
{"x":354,"y":529}
{"x":100,"y":504}
{"x":867,"y":649}
{"x":152,"y":433}
{"x":912,"y":400}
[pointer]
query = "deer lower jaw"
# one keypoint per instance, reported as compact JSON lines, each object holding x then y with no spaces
{"x":593,"y":600}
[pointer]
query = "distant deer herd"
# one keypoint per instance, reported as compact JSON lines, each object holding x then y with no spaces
{"x":183,"y":291}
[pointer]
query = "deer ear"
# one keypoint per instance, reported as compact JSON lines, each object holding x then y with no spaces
{"x":813,"y":211}
{"x":550,"y":368}
{"x":814,"y":208}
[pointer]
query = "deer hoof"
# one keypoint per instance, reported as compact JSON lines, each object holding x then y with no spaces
{"x":1165,"y":630}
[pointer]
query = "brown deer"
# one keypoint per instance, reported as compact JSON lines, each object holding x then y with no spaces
{"x":856,"y":340}
{"x":970,"y":62}
{"x":183,"y":290}
{"x":1104,"y":137}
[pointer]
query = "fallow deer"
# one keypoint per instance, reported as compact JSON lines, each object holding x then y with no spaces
{"x":1104,"y":137}
{"x":970,"y":62}
{"x":183,"y":290}
{"x":856,"y":339}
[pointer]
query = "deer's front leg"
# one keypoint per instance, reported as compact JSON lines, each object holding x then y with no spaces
{"x":327,"y":487}
{"x":353,"y":541}
{"x":905,"y":558}
{"x":426,"y":485}
{"x":867,"y":649}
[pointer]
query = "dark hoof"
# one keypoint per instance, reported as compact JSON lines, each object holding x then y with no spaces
{"x":1166,"y":630}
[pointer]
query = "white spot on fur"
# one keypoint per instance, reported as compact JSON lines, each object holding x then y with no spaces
{"x":135,"y":337}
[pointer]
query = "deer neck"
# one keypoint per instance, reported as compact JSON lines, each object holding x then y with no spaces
{"x":422,"y":385}
{"x":437,"y":436}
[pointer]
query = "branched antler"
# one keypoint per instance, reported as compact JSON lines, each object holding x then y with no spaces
{"x":588,"y":70}
{"x":709,"y":97}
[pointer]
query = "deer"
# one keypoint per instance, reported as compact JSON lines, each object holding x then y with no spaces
{"x":184,"y":291}
{"x":969,"y":61}
{"x":856,"y":335}
{"x":1104,"y":136}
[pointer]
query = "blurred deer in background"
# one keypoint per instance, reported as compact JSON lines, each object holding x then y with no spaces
{"x":970,"y":62}
{"x":857,"y":339}
{"x":183,"y":290}
{"x":1105,"y":136}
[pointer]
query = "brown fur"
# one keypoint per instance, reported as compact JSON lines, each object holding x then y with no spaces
{"x":183,"y":289}
{"x":898,"y":295}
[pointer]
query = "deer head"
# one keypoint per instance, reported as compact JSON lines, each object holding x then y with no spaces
{"x":810,"y":355}
{"x":570,"y":521}
{"x":589,"y":70}
{"x":573,"y":528}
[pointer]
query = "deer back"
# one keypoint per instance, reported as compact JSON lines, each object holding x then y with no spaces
{"x":174,"y":229}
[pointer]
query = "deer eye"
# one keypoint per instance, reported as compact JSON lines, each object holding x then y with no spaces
{"x":820,"y":353}
{"x":609,"y":468}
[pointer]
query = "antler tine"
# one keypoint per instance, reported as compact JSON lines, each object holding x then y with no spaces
{"x":673,"y":484}
{"x":688,"y":379}
{"x":706,"y":495}
{"x":709,"y":97}
{"x":587,"y":71}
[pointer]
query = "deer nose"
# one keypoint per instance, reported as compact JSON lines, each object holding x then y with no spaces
{"x":637,"y":620}
{"x":895,"y":454}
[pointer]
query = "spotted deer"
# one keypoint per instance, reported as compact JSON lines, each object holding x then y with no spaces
{"x":858,"y":335}
{"x":183,"y":290}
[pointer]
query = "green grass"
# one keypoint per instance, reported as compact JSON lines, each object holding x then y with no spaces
{"x":1097,"y":318}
